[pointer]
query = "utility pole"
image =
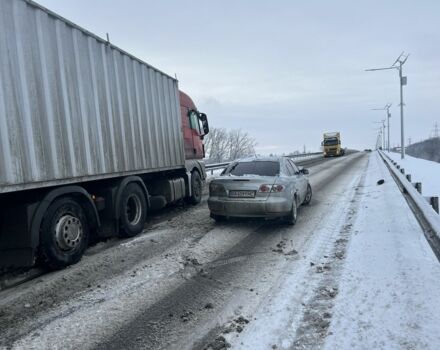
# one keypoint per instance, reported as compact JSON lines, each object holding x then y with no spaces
{"x":400,"y":61}
{"x":386,"y":108}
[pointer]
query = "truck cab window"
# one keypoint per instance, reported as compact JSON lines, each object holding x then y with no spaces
{"x":194,"y":121}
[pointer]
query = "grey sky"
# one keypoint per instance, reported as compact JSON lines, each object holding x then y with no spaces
{"x":285,"y":71}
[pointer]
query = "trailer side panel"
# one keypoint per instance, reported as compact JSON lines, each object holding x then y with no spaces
{"x":75,"y":108}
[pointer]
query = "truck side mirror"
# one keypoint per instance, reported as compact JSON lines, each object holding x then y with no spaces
{"x":204,"y":119}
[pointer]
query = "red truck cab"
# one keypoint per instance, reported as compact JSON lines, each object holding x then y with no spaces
{"x":195,"y":127}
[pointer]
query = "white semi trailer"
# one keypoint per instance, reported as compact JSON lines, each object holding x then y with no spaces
{"x":91,"y":138}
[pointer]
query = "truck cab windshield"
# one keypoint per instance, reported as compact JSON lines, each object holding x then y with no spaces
{"x":331,"y":142}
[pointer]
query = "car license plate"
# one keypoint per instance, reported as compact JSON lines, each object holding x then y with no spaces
{"x":241,"y":194}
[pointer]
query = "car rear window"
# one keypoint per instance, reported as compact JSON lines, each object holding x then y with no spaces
{"x":261,"y":168}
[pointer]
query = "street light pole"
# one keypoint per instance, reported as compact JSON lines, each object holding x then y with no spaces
{"x":403,"y":80}
{"x":388,"y":118}
{"x":386,"y":108}
{"x":402,"y":129}
{"x":382,"y":132}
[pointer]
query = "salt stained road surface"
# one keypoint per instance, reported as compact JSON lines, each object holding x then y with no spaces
{"x":355,"y":272}
{"x":384,"y":294}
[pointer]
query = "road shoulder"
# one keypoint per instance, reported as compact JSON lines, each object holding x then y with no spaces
{"x":389,"y":292}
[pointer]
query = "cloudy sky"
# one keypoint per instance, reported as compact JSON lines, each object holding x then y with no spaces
{"x":285,"y":71}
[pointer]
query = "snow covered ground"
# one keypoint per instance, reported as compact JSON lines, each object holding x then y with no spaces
{"x":389,"y":293}
{"x":421,"y":170}
{"x":379,"y":286}
{"x":355,"y":272}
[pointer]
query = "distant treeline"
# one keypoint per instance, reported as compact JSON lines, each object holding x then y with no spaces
{"x":428,"y":149}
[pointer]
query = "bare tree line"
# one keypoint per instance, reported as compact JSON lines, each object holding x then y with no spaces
{"x":223,"y":145}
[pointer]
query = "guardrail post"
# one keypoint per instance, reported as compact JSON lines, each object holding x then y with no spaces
{"x":434,"y":203}
{"x":398,"y":166}
{"x":418,"y":186}
{"x":408,"y":177}
{"x":402,"y":171}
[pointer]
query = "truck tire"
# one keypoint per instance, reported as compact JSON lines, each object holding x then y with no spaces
{"x":133,"y":210}
{"x":64,"y":234}
{"x":196,"y":188}
{"x":308,"y":197}
{"x":291,"y":218}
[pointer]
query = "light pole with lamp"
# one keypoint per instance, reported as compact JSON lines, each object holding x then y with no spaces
{"x":400,"y":61}
{"x":386,"y":108}
{"x":382,"y":131}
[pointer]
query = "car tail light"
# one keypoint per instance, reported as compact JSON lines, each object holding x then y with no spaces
{"x":277,"y":188}
{"x":216,"y":189}
{"x":265,"y":188}
{"x":271,"y":188}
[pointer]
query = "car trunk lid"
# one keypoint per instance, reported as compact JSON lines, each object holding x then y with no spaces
{"x":246,"y":187}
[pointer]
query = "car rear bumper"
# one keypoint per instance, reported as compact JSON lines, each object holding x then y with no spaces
{"x":270,"y":207}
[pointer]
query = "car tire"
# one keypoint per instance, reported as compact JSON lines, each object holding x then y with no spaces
{"x":293,"y":215}
{"x":132,"y":210}
{"x":196,"y":188}
{"x":217,"y":218}
{"x":64,"y":234}
{"x":308,"y":197}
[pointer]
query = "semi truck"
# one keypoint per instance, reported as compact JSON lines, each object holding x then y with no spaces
{"x":331,"y":145}
{"x":91,"y":139}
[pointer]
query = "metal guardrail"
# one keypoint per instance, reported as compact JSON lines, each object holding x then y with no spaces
{"x":212,"y":167}
{"x":425,"y":211}
{"x":216,"y":166}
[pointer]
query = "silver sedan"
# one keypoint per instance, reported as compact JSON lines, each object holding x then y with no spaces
{"x":269,"y":187}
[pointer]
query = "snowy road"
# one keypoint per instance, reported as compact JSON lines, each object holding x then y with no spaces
{"x":188,"y":283}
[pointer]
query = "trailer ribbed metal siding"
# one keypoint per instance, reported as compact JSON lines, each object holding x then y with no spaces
{"x":75,"y":108}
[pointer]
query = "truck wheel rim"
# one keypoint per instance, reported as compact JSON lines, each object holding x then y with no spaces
{"x":197,"y":188}
{"x":68,"y":232}
{"x":133,"y":209}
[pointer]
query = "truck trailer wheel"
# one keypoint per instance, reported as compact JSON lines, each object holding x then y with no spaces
{"x":64,"y":234}
{"x":133,"y":210}
{"x":196,"y":188}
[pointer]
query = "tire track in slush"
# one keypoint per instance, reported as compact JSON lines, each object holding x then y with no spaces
{"x":185,"y":319}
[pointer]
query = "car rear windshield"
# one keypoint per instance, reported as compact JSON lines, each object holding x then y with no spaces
{"x":261,"y":168}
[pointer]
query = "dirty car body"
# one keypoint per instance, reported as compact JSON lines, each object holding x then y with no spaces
{"x":268,"y":187}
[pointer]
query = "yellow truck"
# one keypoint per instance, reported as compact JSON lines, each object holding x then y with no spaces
{"x":331,"y":145}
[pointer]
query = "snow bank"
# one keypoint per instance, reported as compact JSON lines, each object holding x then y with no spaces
{"x":421,"y":170}
{"x":429,"y":214}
